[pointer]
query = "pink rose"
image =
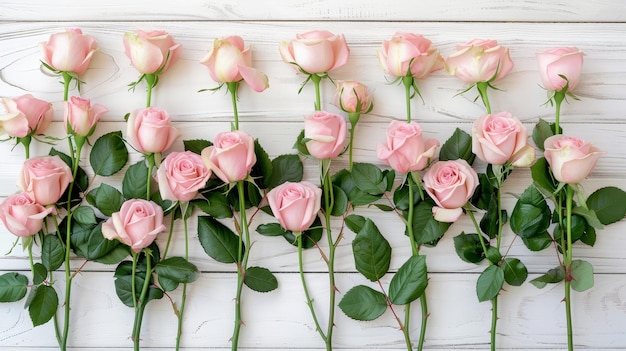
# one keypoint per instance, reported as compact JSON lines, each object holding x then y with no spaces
{"x":496,"y":138}
{"x":450,"y":184}
{"x":80,"y":117}
{"x":45,"y":179}
{"x":21,"y":215}
{"x":150,"y":130}
{"x":571,"y":159}
{"x":69,"y":51}
{"x":557,"y":62}
{"x":295,"y":205}
{"x":352,"y":96}
{"x":181,"y":175}
{"x":151,"y":52}
{"x":480,"y":61}
{"x":409,"y":54}
{"x":317,"y":51}
{"x":25,"y":115}
{"x":231,"y":157}
{"x":136,"y":224}
{"x":405,"y":150}
{"x":229,"y":61}
{"x":326,"y":133}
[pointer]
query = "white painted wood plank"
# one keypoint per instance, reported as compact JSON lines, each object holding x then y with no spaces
{"x":600,"y":88}
{"x":350,"y":10}
{"x":529,"y":317}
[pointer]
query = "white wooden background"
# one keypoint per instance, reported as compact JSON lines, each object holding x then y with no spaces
{"x":530,"y":318}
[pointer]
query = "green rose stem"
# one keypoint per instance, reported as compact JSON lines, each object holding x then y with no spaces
{"x":482,"y":90}
{"x":309,"y":301}
{"x":414,"y":252}
{"x":494,"y":301}
{"x":140,"y":305}
{"x":150,"y":159}
{"x":559,"y":96}
{"x":232,"y":88}
{"x":151,"y":81}
{"x":407,"y":81}
{"x":181,"y":311}
{"x":332,"y":246}
{"x":353,"y":117}
{"x":568,"y":267}
{"x":26,"y":142}
{"x":316,"y":79}
{"x":242,"y":261}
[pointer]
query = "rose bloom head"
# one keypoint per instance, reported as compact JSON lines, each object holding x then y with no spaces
{"x":151,"y":52}
{"x":405,"y":149}
{"x":80,"y":117}
{"x":69,"y":51}
{"x":150,"y":130}
{"x":557,"y":62}
{"x":45,"y":179}
{"x":230,"y":61}
{"x":136,"y":224}
{"x":450,"y":184}
{"x":326,"y":134}
{"x":318,"y":51}
{"x":352,"y":96}
{"x":409,"y":54}
{"x":21,"y":215}
{"x":295,"y":205}
{"x":25,"y":115}
{"x":479,"y":61}
{"x":496,"y":138}
{"x":570,"y":159}
{"x":231,"y":156}
{"x":181,"y":175}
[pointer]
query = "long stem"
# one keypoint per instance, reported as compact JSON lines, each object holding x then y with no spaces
{"x":243,"y":254}
{"x":568,"y":268}
{"x":309,"y":302}
{"x":332,"y":246}
{"x":559,"y":96}
{"x":151,"y":80}
{"x":482,"y":90}
{"x":350,"y":148}
{"x":181,"y":311}
{"x":316,"y":83}
{"x":67,"y":78}
{"x":150,"y":160}
{"x":169,"y":237}
{"x":232,"y":88}
{"x":140,"y":306}
{"x":407,"y":81}
{"x":26,"y":142}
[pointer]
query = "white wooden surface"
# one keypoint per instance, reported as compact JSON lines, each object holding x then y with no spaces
{"x":530,"y":318}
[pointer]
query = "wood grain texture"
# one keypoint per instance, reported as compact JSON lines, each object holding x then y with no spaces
{"x":530,"y":319}
{"x":316,"y":10}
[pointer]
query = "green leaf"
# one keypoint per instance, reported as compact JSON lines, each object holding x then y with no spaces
{"x":589,"y":237}
{"x":372,"y":252}
{"x":357,"y":197}
{"x":196,"y":145}
{"x":84,"y":215}
{"x":489,"y":223}
{"x":40,"y":273}
{"x":589,"y":215}
{"x":355,"y":222}
{"x":541,"y":132}
{"x":270,"y":229}
{"x":554,"y":275}
{"x":390,"y":175}
{"x":368,"y":178}
{"x":177,"y":269}
{"x":363,"y":303}
{"x":609,"y":204}
{"x":300,"y":144}
{"x":260,"y":279}
{"x":484,"y":193}
{"x":135,"y":181}
{"x":215,"y":205}
{"x":115,"y":256}
{"x":13,"y":287}
{"x":401,"y":196}
{"x":531,"y":214}
{"x":458,"y":146}
{"x":384,"y":208}
{"x":218,"y":241}
{"x":262,"y":169}
{"x":489,"y":283}
{"x":515,"y":272}
{"x":107,"y":199}
{"x":541,"y":175}
{"x":538,"y":241}
{"x":123,"y":283}
{"x":340,"y":203}
{"x":468,"y":247}
{"x":410,"y":282}
{"x":493,"y":255}
{"x":108,"y":154}
{"x":582,"y":275}
{"x":167,"y":284}
{"x":285,"y":168}
{"x":52,"y":252}
{"x":426,"y":228}
{"x":44,"y":305}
